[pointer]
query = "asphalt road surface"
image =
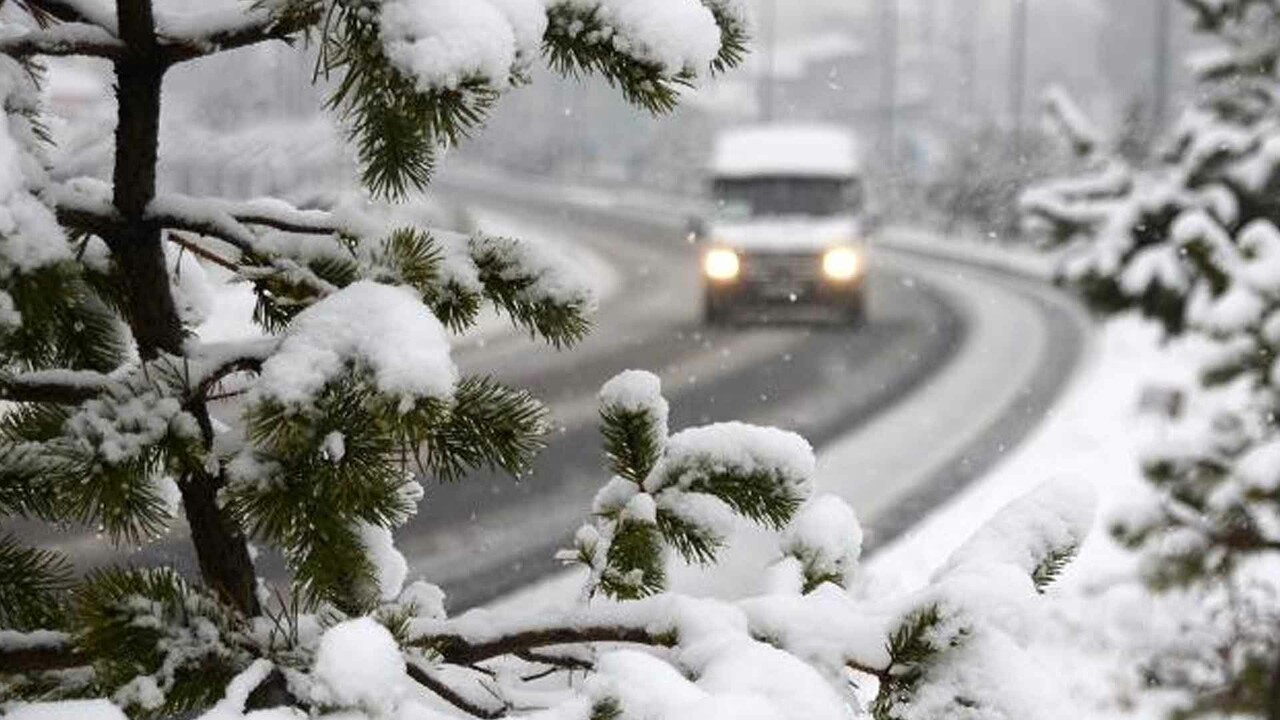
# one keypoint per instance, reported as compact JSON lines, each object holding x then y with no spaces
{"x":953,"y":366}
{"x":489,"y":535}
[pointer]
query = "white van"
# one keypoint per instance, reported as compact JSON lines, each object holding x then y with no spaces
{"x":788,"y":225}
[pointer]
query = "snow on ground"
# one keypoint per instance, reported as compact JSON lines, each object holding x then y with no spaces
{"x":874,"y":466}
{"x":1018,"y":259}
{"x":1103,"y":622}
{"x":1103,"y":618}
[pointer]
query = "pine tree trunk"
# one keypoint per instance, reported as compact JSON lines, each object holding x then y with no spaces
{"x":1273,"y":696}
{"x":136,"y":249}
{"x":221,"y":548}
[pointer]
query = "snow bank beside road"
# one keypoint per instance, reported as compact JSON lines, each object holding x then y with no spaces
{"x":1103,"y":618}
{"x":1017,"y":259}
{"x":884,"y":465}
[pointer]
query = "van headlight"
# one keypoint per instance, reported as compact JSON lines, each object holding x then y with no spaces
{"x":841,"y":264}
{"x":721,"y":264}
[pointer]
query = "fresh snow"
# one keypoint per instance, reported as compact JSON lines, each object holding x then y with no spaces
{"x":193,"y":292}
{"x":389,"y":566}
{"x":30,"y":236}
{"x":66,"y":710}
{"x":358,"y":664}
{"x":694,"y":454}
{"x":443,"y":43}
{"x":1102,"y":620}
{"x":1056,"y":516}
{"x":15,"y":640}
{"x":674,"y":34}
{"x":637,"y":391}
{"x":826,"y":537}
{"x":379,"y":328}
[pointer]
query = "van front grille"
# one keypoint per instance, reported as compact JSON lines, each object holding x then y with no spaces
{"x":782,"y":267}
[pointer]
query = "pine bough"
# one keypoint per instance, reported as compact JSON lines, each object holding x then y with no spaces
{"x":352,"y":399}
{"x":1192,"y":243}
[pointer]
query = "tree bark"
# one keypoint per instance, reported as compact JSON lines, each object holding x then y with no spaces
{"x":1273,"y":697}
{"x":136,"y":244}
{"x":221,"y":547}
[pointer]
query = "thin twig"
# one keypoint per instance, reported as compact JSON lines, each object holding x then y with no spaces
{"x":188,"y":243}
{"x":449,"y":695}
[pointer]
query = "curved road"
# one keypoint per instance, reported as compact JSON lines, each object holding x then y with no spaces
{"x":930,"y":322}
{"x":955,"y":364}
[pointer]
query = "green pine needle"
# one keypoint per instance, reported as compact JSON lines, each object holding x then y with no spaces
{"x":1051,"y":566}
{"x":633,"y":441}
{"x":694,"y":542}
{"x":635,"y":566}
{"x":33,"y":583}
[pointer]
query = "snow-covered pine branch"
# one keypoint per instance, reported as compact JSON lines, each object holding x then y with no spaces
{"x":330,"y":424}
{"x":796,"y":651}
{"x":1071,"y":121}
{"x":80,"y":39}
{"x":1192,"y":243}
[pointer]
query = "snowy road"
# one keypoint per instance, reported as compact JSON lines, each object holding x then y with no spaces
{"x":955,"y":366}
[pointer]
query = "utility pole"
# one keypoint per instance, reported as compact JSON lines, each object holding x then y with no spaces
{"x":967,"y":25}
{"x":929,"y":38}
{"x":1160,"y":75}
{"x":889,"y":83}
{"x":769,"y":21}
{"x":1018,"y":73}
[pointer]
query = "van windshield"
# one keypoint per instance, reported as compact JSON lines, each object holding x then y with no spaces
{"x":741,"y":198}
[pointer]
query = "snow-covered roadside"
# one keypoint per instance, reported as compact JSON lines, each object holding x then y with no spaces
{"x":1102,"y":620}
{"x":873,"y":466}
{"x":1016,"y":259}
{"x":1100,"y":623}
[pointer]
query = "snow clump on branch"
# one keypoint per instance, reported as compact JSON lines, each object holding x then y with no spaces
{"x":383,"y":329}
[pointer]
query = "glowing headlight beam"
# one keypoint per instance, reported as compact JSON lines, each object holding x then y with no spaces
{"x":721,"y":264}
{"x":841,"y":264}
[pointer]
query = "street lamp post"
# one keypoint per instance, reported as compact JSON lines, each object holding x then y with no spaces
{"x":889,"y":82}
{"x":1160,"y":74}
{"x":1018,"y":73}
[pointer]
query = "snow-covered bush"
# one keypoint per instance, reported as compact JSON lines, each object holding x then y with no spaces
{"x":1193,"y":243}
{"x":311,"y":439}
{"x":975,"y":187}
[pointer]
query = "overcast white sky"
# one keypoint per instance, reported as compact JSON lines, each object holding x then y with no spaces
{"x":1101,"y":50}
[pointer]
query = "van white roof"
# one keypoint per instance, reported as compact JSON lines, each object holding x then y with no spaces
{"x":786,"y":150}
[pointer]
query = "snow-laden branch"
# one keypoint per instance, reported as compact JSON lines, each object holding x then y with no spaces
{"x":427,"y":678}
{"x":95,"y":12}
{"x":73,"y":38}
{"x":219,"y":360}
{"x":41,"y":650}
{"x":190,"y":37}
{"x":230,"y":221}
{"x":457,"y":647}
{"x":206,"y":366}
{"x":85,"y":205}
{"x":63,"y":387}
